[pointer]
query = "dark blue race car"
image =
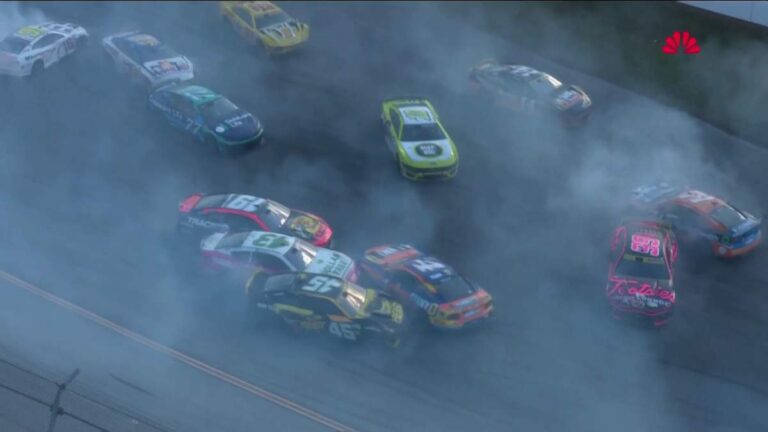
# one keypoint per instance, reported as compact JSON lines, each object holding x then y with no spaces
{"x":208,"y":116}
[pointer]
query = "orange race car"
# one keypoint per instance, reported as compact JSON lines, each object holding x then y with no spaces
{"x":447,"y":299}
{"x":263,"y":23}
{"x":702,"y":220}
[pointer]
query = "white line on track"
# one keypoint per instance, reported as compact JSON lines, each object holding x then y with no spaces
{"x":197,"y":364}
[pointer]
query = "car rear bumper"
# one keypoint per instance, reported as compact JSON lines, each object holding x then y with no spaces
{"x":241,"y":147}
{"x":657,"y":318}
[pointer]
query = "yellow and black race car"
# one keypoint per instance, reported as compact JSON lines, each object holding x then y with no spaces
{"x":327,"y":304}
{"x":262,"y":22}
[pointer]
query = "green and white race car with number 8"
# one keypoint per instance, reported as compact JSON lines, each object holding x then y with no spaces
{"x":420,"y":144}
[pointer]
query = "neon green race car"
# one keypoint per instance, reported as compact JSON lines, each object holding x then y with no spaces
{"x":420,"y":144}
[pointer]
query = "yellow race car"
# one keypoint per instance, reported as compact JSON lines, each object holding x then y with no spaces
{"x":262,"y":22}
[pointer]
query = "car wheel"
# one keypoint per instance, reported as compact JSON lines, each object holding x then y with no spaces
{"x":37,"y":68}
{"x":82,"y":42}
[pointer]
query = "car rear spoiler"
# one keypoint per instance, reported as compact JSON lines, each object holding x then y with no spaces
{"x":405,"y":98}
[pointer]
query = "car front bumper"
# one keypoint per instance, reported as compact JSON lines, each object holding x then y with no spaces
{"x":413,"y":173}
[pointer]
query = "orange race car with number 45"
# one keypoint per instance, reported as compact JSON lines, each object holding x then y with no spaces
{"x":446,"y":299}
{"x":263,"y":23}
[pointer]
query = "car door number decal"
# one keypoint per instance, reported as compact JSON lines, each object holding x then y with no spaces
{"x":342,"y":330}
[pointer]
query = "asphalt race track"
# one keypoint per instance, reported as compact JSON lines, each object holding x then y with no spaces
{"x":91,"y":182}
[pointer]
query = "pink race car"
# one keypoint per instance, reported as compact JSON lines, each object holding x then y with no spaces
{"x":641,"y":272}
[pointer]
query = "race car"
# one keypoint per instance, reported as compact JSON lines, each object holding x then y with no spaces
{"x":525,"y":89}
{"x":263,"y":23}
{"x":417,"y":140}
{"x":326,"y":304}
{"x":146,"y":60}
{"x":31,"y":49}
{"x":204,"y":214}
{"x":208,"y":116}
{"x":701,"y":220}
{"x":641,"y":271}
{"x":272,"y":253}
{"x":446,"y":299}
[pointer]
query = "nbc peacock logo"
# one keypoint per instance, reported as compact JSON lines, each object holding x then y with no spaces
{"x":681,"y":41}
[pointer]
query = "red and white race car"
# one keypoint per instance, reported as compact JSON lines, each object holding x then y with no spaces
{"x":31,"y":49}
{"x":203,"y":214}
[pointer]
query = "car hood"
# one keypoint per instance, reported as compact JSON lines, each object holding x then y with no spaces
{"x":332,"y":263}
{"x":429,"y":151}
{"x":238,"y":125}
{"x":284,"y":31}
{"x":176,"y":67}
{"x":472,"y":301}
{"x":639,"y":293}
{"x":308,"y":227}
{"x":571,"y":97}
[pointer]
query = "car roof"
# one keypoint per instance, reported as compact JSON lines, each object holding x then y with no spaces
{"x":32,"y":32}
{"x":261,"y":7}
{"x":645,"y":229}
{"x":524,"y":72}
{"x":302,"y":278}
{"x":416,"y":114}
{"x":196,"y":94}
{"x":427,"y":268}
{"x":285,"y":242}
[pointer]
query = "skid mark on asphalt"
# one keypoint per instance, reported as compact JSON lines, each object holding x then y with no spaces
{"x":203,"y":367}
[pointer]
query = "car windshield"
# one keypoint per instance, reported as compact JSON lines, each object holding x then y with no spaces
{"x":639,"y":266}
{"x":271,"y":19}
{"x":453,"y":289}
{"x":148,"y":53}
{"x":13,"y":44}
{"x":301,"y":254}
{"x":545,"y":84}
{"x":214,"y":110}
{"x":276,"y":283}
{"x":422,"y":132}
{"x":728,"y":216}
{"x":274,"y":214}
{"x":232,"y":240}
{"x":352,"y":299}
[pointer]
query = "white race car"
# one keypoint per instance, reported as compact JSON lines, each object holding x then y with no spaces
{"x":33,"y":48}
{"x":146,"y":60}
{"x":272,"y":253}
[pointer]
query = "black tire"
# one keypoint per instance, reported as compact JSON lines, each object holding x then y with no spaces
{"x":82,"y":42}
{"x":37,"y":69}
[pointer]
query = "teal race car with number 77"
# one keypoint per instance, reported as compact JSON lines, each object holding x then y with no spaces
{"x":208,"y":116}
{"x":417,"y":139}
